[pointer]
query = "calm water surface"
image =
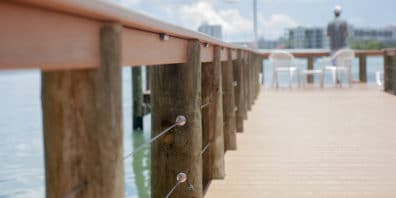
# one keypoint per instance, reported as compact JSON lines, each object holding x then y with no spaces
{"x":21,"y":140}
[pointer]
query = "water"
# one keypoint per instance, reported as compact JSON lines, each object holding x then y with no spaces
{"x":21,"y":141}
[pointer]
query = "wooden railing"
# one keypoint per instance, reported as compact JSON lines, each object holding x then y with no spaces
{"x":360,"y":54}
{"x":80,"y":47}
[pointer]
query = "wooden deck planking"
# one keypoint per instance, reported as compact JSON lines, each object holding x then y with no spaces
{"x":315,"y":143}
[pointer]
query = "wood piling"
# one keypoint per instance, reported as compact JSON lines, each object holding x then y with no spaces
{"x":390,"y":71}
{"x":363,"y":68}
{"x":176,"y":90}
{"x":245,"y":85}
{"x":310,"y":65}
{"x":228,"y":103}
{"x":212,"y":120}
{"x":82,"y":123}
{"x":239,"y":95}
{"x":138,"y":104}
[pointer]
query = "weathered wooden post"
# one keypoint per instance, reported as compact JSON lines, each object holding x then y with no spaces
{"x":228,"y":103}
{"x":363,"y":68}
{"x":251,"y":80}
{"x":310,"y":65}
{"x":239,"y":95}
{"x":148,"y":68}
{"x":212,"y":119}
{"x":258,"y":70}
{"x":82,"y":121}
{"x":176,"y":90}
{"x":246,"y":83}
{"x":262,"y":70}
{"x":138,"y":105}
{"x":390,"y":70}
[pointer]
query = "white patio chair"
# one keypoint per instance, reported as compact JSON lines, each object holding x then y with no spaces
{"x":341,"y":61}
{"x":311,"y":72}
{"x":283,"y":61}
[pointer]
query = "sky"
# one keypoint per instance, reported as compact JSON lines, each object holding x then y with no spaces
{"x":274,"y":16}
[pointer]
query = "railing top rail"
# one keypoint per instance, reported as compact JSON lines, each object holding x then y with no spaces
{"x":305,"y":54}
{"x":104,"y":11}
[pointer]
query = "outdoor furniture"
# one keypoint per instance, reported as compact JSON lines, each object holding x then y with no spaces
{"x":283,"y":61}
{"x":340,"y":62}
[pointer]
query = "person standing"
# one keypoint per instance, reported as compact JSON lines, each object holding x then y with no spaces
{"x":337,"y":31}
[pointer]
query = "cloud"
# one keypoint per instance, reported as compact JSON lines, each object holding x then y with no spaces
{"x":274,"y":27}
{"x":233,"y":23}
{"x":126,"y":3}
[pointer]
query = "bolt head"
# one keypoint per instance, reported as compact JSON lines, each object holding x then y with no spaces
{"x":181,"y":120}
{"x":181,"y":177}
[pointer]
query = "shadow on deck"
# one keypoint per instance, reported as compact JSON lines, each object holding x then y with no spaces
{"x":315,"y":142}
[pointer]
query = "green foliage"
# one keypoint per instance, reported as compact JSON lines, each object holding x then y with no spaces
{"x":370,"y":44}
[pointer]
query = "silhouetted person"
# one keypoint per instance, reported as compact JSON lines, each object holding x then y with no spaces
{"x":337,"y":31}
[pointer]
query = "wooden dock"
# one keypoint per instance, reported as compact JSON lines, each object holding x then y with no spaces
{"x":314,"y":143}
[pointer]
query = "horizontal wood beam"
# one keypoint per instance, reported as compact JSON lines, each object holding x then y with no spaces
{"x":34,"y":38}
{"x":145,"y":48}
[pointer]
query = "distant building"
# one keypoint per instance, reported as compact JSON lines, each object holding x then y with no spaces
{"x":386,"y":34}
{"x":280,"y":43}
{"x":212,"y":30}
{"x":307,"y":38}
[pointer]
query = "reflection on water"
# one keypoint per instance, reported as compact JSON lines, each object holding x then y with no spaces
{"x":141,"y":166}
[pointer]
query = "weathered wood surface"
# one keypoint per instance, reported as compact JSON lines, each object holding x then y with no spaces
{"x":390,"y":71}
{"x":176,"y":90}
{"x":82,"y":123}
{"x":228,"y":104}
{"x":363,"y":68}
{"x":290,"y":151}
{"x":212,"y":120}
{"x":138,"y":104}
{"x":245,"y":85}
{"x":310,"y":65}
{"x":239,"y":95}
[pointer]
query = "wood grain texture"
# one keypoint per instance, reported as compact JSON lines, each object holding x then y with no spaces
{"x":228,"y":104}
{"x":34,"y":38}
{"x":245,"y":85}
{"x":310,"y":66}
{"x":176,"y":90}
{"x":137,"y":94}
{"x":344,"y":152}
{"x":82,"y":122}
{"x":239,"y":95}
{"x":363,"y":68}
{"x":212,"y":120}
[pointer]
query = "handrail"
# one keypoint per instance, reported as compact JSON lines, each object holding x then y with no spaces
{"x":306,"y":54}
{"x":64,"y":35}
{"x":104,"y":11}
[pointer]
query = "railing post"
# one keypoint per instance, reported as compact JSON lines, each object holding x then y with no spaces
{"x":212,"y":120}
{"x":246,"y":83}
{"x":363,"y":68}
{"x":251,"y":80}
{"x":390,"y":70}
{"x":148,"y":68}
{"x":138,"y":105}
{"x":239,"y":95}
{"x":310,"y":65}
{"x":228,"y":103}
{"x":82,"y":121}
{"x":176,"y":90}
